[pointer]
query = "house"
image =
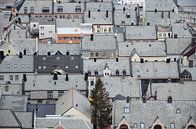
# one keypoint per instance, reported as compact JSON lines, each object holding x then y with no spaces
{"x":142,"y":50}
{"x":72,"y":31}
{"x":164,"y":32}
{"x":126,"y":14}
{"x":140,"y":33}
{"x":48,"y":88}
{"x":153,"y":114}
{"x":68,"y":63}
{"x":180,"y":30}
{"x":74,"y":104}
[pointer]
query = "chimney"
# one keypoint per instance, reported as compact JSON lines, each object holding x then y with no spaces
{"x":20,"y":55}
{"x":55,"y":77}
{"x":91,"y":37}
{"x":86,"y":76}
{"x":25,"y":52}
{"x":89,"y":14}
{"x":66,"y":78}
{"x":2,"y":56}
{"x":48,"y":53}
{"x":107,"y":14}
{"x":24,"y":77}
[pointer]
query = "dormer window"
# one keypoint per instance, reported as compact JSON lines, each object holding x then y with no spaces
{"x":128,"y":15}
{"x":78,"y":9}
{"x":60,"y":9}
{"x":45,"y":10}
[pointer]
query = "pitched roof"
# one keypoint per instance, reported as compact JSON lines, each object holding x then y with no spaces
{"x":155,"y":70}
{"x":46,"y":82}
{"x":73,"y":99}
{"x":14,"y":64}
{"x":47,"y":64}
{"x":146,"y":113}
{"x":67,"y":122}
{"x":140,"y":32}
{"x":14,"y":102}
{"x":143,"y":48}
{"x":9,"y":119}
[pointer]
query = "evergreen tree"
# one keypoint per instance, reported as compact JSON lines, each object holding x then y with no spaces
{"x":101,"y":106}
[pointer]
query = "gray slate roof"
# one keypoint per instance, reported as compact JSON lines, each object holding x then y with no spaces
{"x":100,"y":42}
{"x":140,"y":32}
{"x":73,"y":49}
{"x":46,"y":82}
{"x":162,"y":5}
{"x":26,"y":119}
{"x":67,"y":122}
{"x":47,"y":64}
{"x":122,"y":64}
{"x":8,"y":119}
{"x":101,"y":6}
{"x":14,"y":64}
{"x":69,"y":22}
{"x":148,"y":112}
{"x":69,"y":7}
{"x":143,"y":48}
{"x":125,"y":86}
{"x":129,"y":15}
{"x":178,"y":91}
{"x":73,"y":99}
{"x":177,"y":46}
{"x":41,"y":110}
{"x":155,"y":70}
{"x":13,"y":102}
{"x":98,"y":17}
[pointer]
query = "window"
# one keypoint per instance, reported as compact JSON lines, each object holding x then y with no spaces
{"x":178,"y":111}
{"x":78,"y":9}
{"x":172,"y":126}
{"x":128,"y":15}
{"x":45,"y":10}
{"x":25,"y":10}
{"x":11,"y":77}
{"x":126,"y":110}
{"x":6,"y":87}
{"x":142,"y":125}
{"x":23,"y":65}
{"x":50,"y":94}
{"x":92,"y":83}
{"x":15,"y":65}
{"x":60,"y":9}
{"x":32,"y":10}
{"x":8,"y":65}
{"x":1,"y":77}
{"x":135,"y":125}
{"x":16,"y":77}
{"x":60,"y":93}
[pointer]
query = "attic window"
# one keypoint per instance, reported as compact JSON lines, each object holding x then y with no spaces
{"x":128,"y":15}
{"x":126,"y":110}
{"x":45,"y":10}
{"x":172,"y":126}
{"x":78,"y":9}
{"x":142,"y":125}
{"x":178,"y":111}
{"x":60,"y":9}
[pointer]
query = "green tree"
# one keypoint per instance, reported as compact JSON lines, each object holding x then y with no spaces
{"x":101,"y":106}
